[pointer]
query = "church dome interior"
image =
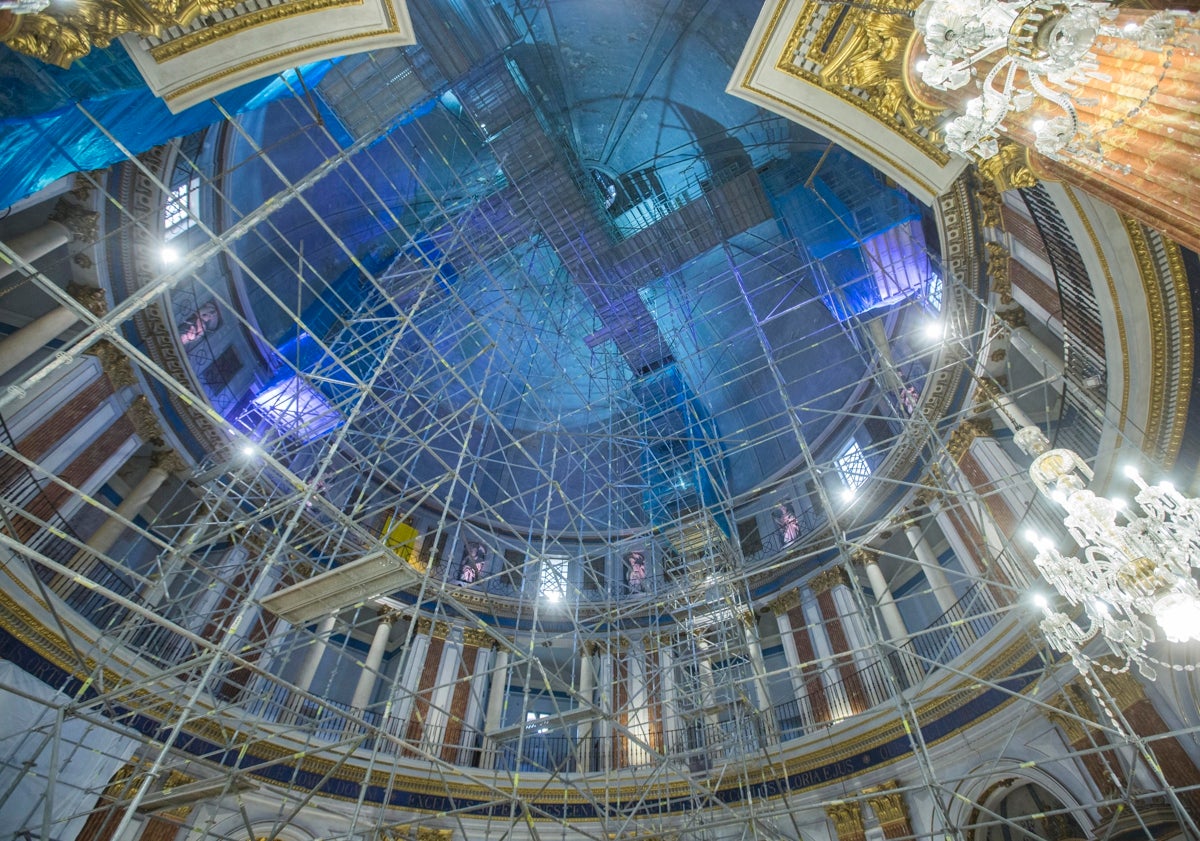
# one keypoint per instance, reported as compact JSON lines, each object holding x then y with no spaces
{"x":577,"y":420}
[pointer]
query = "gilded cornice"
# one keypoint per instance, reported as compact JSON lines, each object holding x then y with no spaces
{"x":828,"y":579}
{"x":65,"y":32}
{"x":1009,"y":168}
{"x":1168,"y":347}
{"x":424,"y":625}
{"x":90,"y":297}
{"x":1014,"y":317}
{"x":864,"y":557}
{"x":219,"y":31}
{"x":477,"y":638}
{"x":861,"y":53}
{"x":964,"y":434}
{"x":1120,"y":684}
{"x":82,"y":224}
{"x":388,"y":616}
{"x":116,"y":365}
{"x":407,"y":832}
{"x":847,"y":820}
{"x":145,"y":421}
{"x":990,"y":204}
{"x":786,"y":602}
{"x":168,"y":461}
{"x":888,"y":805}
{"x":996,"y":267}
{"x":1065,"y":717}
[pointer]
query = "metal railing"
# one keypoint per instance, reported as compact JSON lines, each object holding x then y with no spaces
{"x":32,"y":516}
{"x":711,"y":737}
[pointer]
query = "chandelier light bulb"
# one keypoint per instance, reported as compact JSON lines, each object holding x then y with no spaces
{"x":1040,"y":601}
{"x":1131,"y":472}
{"x":1178,"y":614}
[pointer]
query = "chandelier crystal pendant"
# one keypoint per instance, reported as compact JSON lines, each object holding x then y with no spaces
{"x":1036,"y":56}
{"x":1138,"y":562}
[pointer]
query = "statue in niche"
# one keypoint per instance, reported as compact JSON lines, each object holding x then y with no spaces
{"x":203,"y":321}
{"x":635,"y":570}
{"x":473,"y":561}
{"x":786,"y":522}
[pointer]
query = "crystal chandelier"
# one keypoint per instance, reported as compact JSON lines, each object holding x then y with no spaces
{"x":1034,"y":54}
{"x":1137,"y":562}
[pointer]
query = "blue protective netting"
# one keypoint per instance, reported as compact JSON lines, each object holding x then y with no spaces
{"x":54,"y":122}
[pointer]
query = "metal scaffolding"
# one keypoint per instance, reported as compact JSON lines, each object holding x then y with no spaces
{"x":599,"y":444}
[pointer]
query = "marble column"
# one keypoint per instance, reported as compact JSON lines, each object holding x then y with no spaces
{"x":409,"y":676}
{"x":67,"y":223}
{"x":787,"y":638}
{"x":943,"y":591}
{"x":370,"y":669}
{"x":426,"y":684}
{"x":982,"y":505}
{"x":1044,"y":359}
{"x":315,"y":653}
{"x":847,"y":669}
{"x":708,"y":686}
{"x":161,"y":466}
{"x":497,"y":697}
{"x":587,"y":683}
{"x":472,"y":717}
{"x":638,"y":704}
{"x":814,"y":701}
{"x":444,"y":684}
{"x":758,"y":666}
{"x":967,"y":547}
{"x":673,"y":741}
{"x":893,"y":622}
{"x":18,"y":346}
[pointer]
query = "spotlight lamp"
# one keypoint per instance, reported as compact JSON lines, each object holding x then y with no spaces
{"x":1138,"y":567}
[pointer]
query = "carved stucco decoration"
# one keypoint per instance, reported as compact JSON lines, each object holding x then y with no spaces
{"x":135,"y":266}
{"x":1009,"y":168}
{"x":868,"y":65}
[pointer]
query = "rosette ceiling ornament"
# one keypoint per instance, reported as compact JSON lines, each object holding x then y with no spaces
{"x":1139,"y":562}
{"x":1043,"y":59}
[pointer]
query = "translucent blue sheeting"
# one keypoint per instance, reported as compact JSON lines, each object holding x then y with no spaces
{"x":843,"y":205}
{"x":49,"y":116}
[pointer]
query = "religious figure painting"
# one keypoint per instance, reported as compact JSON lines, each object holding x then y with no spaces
{"x":473,"y":561}
{"x":786,"y":522}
